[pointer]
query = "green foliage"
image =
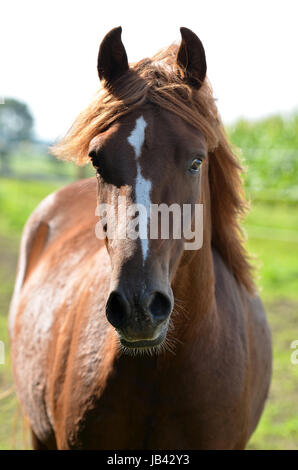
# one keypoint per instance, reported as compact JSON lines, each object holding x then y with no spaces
{"x":17,"y":200}
{"x":269,"y":148}
{"x":275,"y":132}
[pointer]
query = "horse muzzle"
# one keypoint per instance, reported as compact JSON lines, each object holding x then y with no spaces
{"x":141,"y":321}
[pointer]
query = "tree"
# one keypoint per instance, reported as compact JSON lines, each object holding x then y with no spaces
{"x":16,"y":125}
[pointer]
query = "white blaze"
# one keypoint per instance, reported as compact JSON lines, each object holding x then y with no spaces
{"x":143,"y":186}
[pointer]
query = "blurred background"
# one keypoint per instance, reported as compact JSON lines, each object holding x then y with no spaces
{"x":48,"y":75}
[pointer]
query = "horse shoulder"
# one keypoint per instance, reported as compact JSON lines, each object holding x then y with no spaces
{"x":33,"y":241}
{"x":58,"y":213}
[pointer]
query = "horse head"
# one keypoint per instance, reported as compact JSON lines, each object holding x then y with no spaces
{"x":149,"y":158}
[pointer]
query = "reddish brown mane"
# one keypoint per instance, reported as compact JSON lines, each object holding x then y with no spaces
{"x":159,"y":81}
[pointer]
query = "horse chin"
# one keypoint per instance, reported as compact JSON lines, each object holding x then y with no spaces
{"x":144,"y":346}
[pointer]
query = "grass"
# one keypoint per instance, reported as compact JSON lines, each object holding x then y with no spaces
{"x":278,"y":428}
{"x":272,"y":231}
{"x":17,"y":200}
{"x":272,"y":236}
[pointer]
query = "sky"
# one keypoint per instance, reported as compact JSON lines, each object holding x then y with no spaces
{"x":48,"y":51}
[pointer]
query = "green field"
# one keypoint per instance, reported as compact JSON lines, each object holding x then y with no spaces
{"x":272,"y":233}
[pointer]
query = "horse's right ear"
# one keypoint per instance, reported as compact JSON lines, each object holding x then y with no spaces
{"x":112,"y":59}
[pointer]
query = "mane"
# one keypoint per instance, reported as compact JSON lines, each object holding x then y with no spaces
{"x":160,"y":81}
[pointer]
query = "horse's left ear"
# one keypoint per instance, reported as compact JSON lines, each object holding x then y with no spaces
{"x":191,"y":58}
{"x":112,"y":60}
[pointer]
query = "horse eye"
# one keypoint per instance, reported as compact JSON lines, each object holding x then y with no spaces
{"x":195,"y":165}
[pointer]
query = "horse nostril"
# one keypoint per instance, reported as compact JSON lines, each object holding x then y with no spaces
{"x":160,"y":306}
{"x":117,"y":309}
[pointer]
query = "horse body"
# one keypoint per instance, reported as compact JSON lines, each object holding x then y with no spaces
{"x":79,"y":392}
{"x":207,"y":387}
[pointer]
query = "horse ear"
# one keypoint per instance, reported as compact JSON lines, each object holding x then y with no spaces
{"x":191,"y":58}
{"x":112,"y":59}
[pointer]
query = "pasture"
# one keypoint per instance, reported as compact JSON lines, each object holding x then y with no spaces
{"x":270,"y":148}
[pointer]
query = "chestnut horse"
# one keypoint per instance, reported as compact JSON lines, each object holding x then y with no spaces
{"x":139,"y":343}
